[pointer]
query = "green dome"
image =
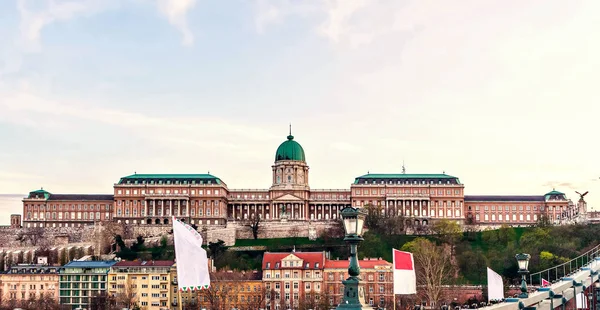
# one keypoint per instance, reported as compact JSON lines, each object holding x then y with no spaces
{"x":290,"y":150}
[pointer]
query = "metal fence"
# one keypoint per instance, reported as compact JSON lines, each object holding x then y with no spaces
{"x":554,"y":274}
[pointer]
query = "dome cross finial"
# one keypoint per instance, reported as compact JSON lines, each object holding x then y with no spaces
{"x":290,"y":137}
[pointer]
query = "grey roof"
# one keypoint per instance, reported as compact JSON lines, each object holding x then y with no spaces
{"x":81,"y":197}
{"x":504,"y":198}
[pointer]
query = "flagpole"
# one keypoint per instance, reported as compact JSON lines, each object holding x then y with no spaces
{"x":173,"y":219}
{"x":179,"y":297}
{"x":394,"y":301}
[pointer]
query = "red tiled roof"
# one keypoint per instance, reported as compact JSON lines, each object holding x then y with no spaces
{"x":343,"y":264}
{"x":308,"y":257}
{"x":139,"y":263}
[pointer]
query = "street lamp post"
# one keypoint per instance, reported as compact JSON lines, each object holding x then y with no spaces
{"x":523,"y":261}
{"x":354,"y":295}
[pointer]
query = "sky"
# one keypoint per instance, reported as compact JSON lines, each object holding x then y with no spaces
{"x":501,"y":94}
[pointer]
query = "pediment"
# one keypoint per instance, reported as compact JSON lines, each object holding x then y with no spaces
{"x":292,"y":257}
{"x":288,"y":197}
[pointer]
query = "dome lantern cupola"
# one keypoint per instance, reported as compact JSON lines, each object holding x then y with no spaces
{"x":290,"y":150}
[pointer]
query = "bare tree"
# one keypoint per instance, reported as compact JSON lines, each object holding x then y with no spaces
{"x":254,"y":301}
{"x":434,"y":267}
{"x":102,"y":301}
{"x":44,"y":302}
{"x":254,"y":222}
{"x":104,"y":236}
{"x":314,"y":301}
{"x":217,"y":295}
{"x":31,"y":235}
{"x":295,"y":233}
{"x":126,"y":297}
{"x":8,"y":302}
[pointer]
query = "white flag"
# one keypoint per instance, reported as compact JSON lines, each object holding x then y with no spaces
{"x":405,"y":279}
{"x":581,"y":301}
{"x":495,"y":285}
{"x":192,"y":263}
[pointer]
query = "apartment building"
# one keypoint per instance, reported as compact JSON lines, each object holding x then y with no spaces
{"x":81,"y":281}
{"x":142,"y":283}
{"x":376,"y":275}
{"x":29,"y":282}
{"x":290,"y":277}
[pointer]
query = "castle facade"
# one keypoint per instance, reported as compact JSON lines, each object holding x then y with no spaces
{"x":206,"y":200}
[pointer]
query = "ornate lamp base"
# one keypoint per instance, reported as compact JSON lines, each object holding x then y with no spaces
{"x":354,"y":295}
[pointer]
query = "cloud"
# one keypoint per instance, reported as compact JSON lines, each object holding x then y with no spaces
{"x":338,"y":25}
{"x":34,"y":21}
{"x":347,"y":23}
{"x":24,"y":107}
{"x":275,"y":12}
{"x":176,"y":12}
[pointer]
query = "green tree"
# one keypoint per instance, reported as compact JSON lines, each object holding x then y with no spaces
{"x":216,"y":249}
{"x":373,"y":246}
{"x":138,"y":245}
{"x":448,"y":231}
{"x":473,"y":265}
{"x":374,"y":216}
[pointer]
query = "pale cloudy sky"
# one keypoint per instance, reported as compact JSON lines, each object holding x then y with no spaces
{"x":502,"y":94}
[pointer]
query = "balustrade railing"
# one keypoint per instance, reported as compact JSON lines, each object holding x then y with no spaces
{"x":554,"y":274}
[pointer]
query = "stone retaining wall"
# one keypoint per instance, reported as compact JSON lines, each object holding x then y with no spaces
{"x":52,"y":235}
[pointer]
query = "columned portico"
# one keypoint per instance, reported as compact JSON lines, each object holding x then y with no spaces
{"x":163,"y":208}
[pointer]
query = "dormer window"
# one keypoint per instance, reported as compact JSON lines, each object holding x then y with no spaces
{"x":268,"y":265}
{"x":276,"y":265}
{"x":307,"y":265}
{"x":316,"y":265}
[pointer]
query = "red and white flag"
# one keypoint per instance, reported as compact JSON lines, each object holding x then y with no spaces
{"x":545,"y":283}
{"x":405,"y":279}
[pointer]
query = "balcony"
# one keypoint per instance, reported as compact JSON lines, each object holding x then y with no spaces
{"x":408,"y":195}
{"x":167,"y":196}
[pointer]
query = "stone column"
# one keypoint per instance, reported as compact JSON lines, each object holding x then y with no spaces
{"x":421,"y":208}
{"x":387,"y":207}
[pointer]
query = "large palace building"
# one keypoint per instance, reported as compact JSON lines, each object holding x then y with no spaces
{"x":204,"y":199}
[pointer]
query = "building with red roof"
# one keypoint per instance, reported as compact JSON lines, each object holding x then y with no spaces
{"x":294,"y":278}
{"x":376,"y":274}
{"x":291,"y":277}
